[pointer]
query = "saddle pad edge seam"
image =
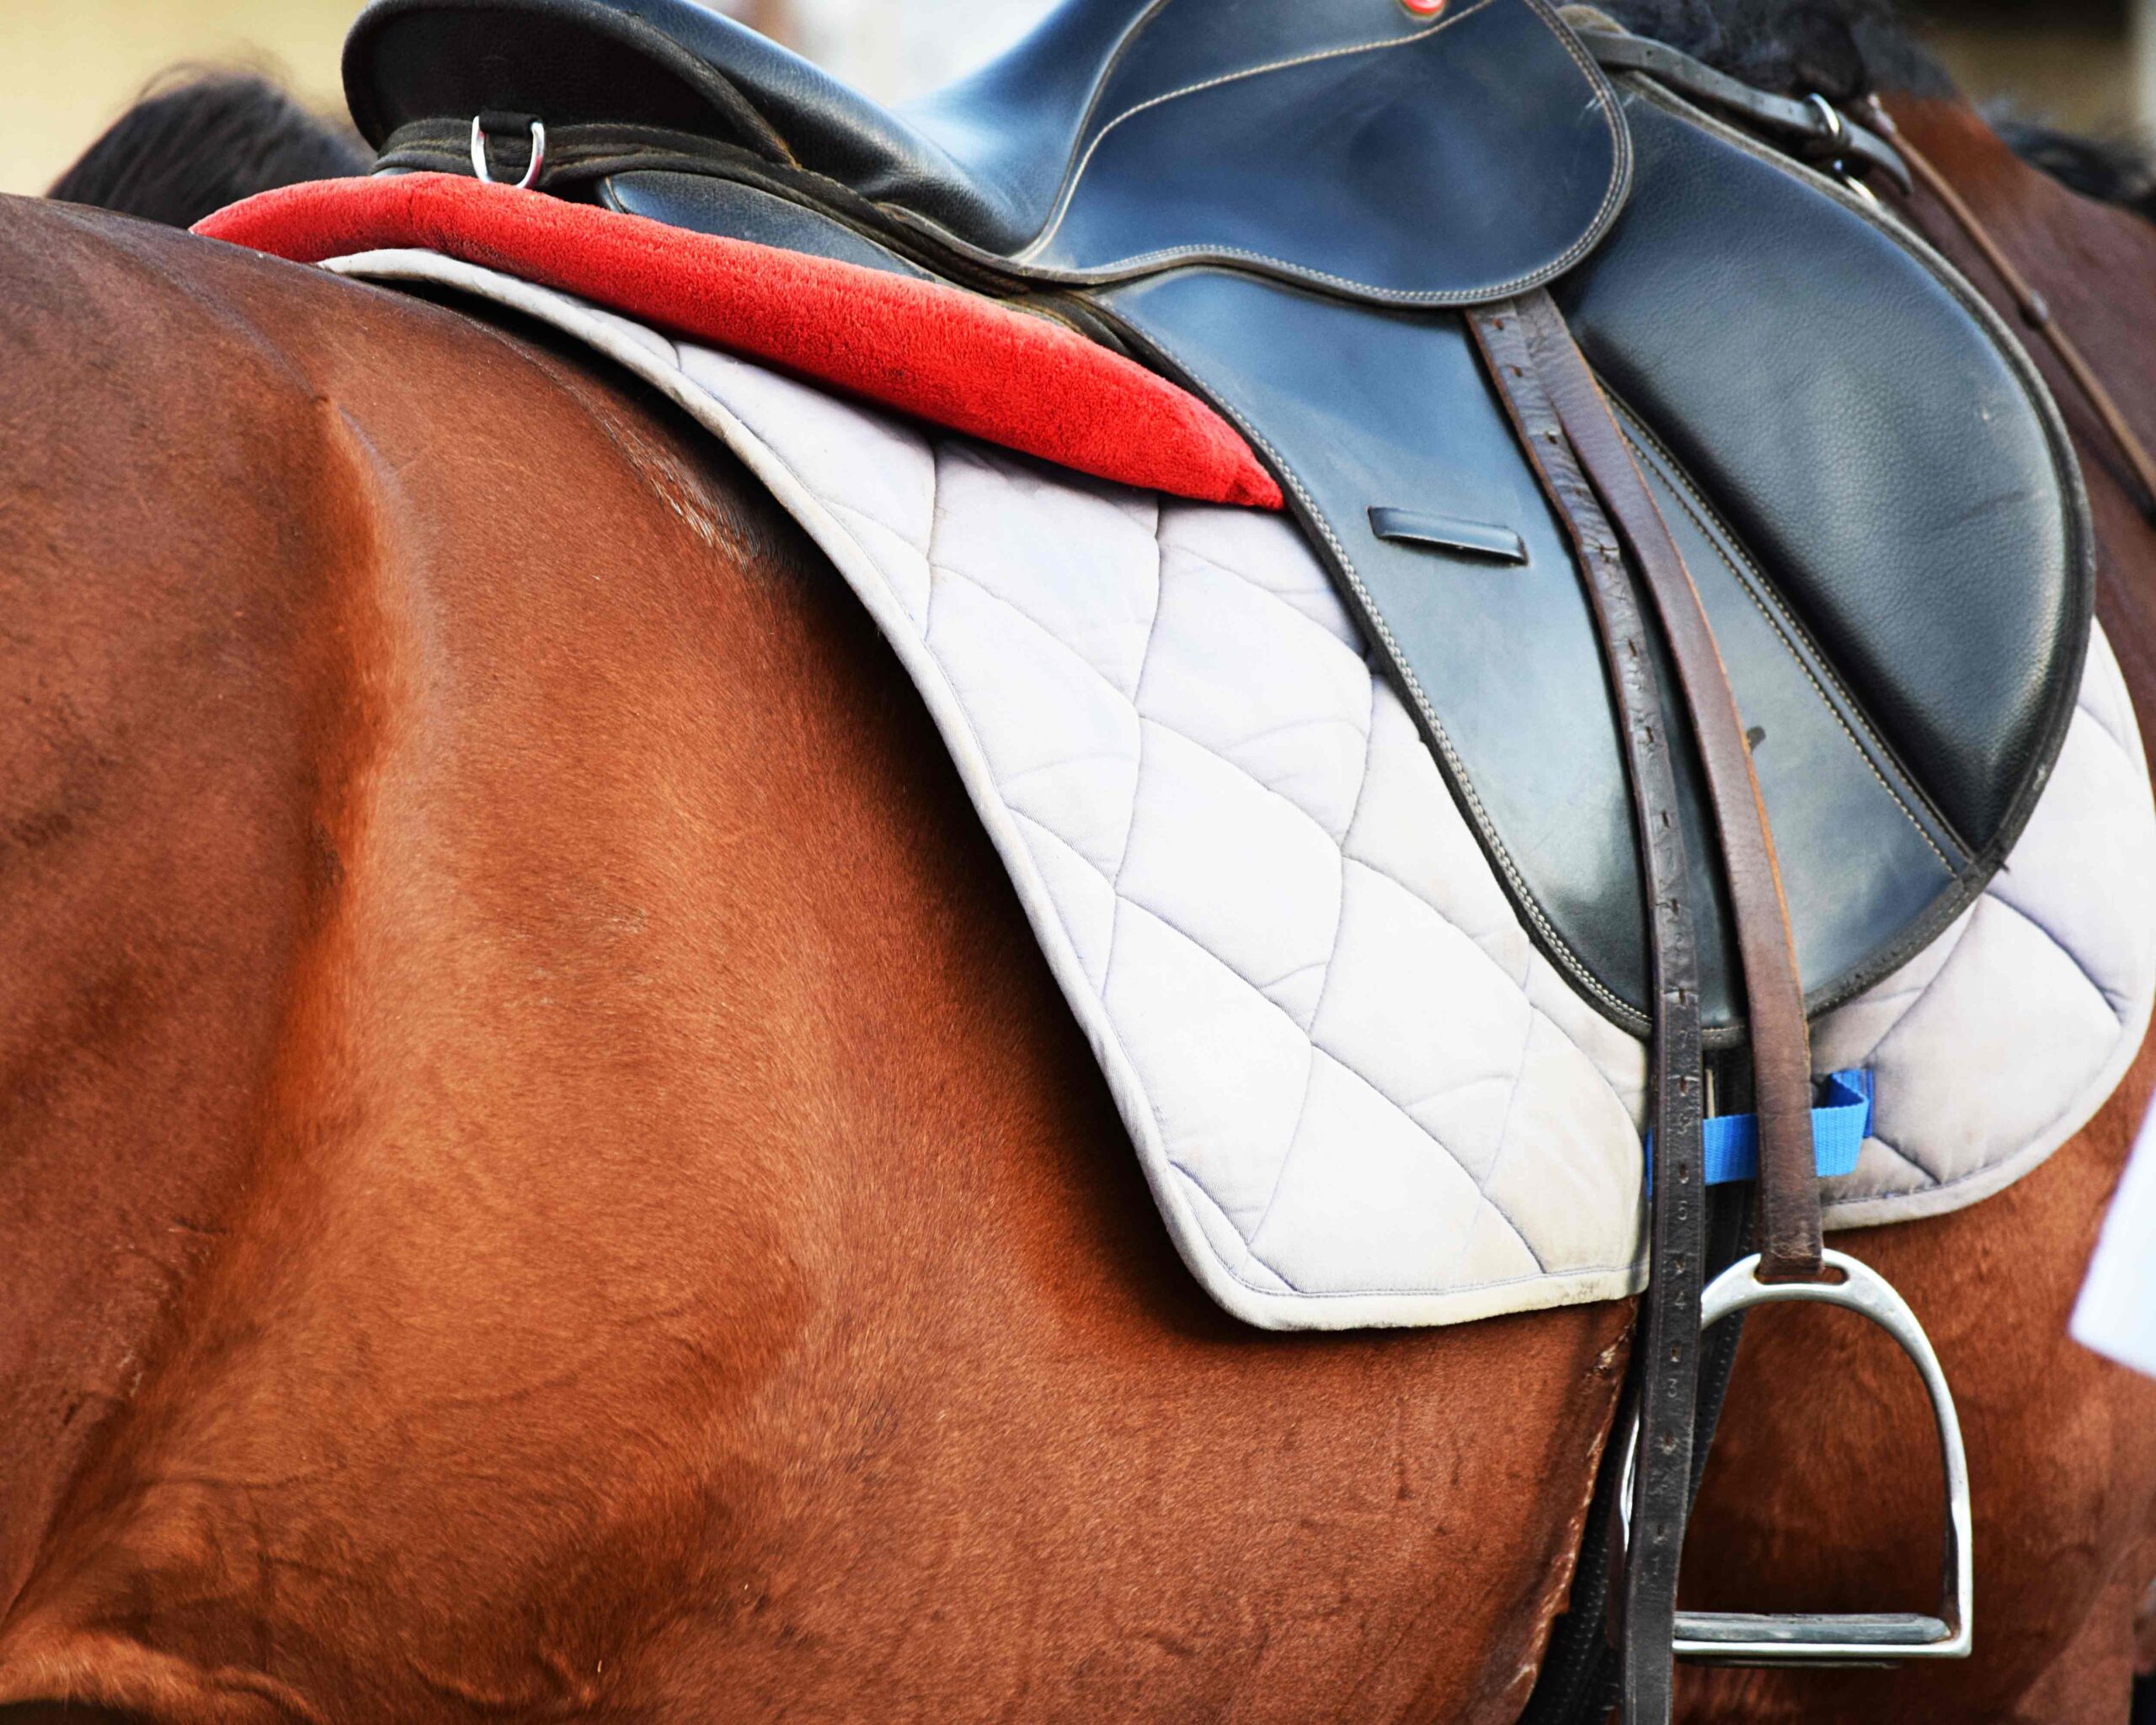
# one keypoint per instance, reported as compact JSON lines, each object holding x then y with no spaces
{"x":1944,"y":1197}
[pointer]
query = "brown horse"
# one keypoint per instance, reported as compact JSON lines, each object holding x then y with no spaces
{"x":542,"y":1175}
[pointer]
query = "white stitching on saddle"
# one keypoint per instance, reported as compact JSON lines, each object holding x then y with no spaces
{"x":1077,"y":172}
{"x":1612,"y":195}
{"x":1620,"y":177}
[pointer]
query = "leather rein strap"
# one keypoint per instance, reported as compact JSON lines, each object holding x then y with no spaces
{"x":1579,"y":449}
{"x":1808,"y":127}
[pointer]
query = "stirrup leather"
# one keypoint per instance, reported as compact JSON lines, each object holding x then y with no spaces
{"x":1855,"y":1637}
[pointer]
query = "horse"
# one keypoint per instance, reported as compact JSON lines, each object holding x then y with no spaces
{"x":544,"y":1173}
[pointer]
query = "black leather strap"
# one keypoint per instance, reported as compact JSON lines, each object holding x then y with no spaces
{"x":1514,"y":337}
{"x":1579,"y":451}
{"x":1580,"y":1682}
{"x":1814,"y":128}
{"x":576,"y":154}
{"x":1774,"y":992}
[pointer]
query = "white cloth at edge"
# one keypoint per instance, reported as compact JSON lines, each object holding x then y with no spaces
{"x":2116,"y":1313}
{"x":1360,"y":1095}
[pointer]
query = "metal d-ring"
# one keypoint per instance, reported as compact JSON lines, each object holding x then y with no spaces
{"x":1837,"y":128}
{"x":1829,"y":148}
{"x":479,"y":154}
{"x":1848,"y":1638}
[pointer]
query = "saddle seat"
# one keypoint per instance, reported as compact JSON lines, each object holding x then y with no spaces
{"x":1121,"y":136}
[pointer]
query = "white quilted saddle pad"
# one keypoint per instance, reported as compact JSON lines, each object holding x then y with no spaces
{"x":1360,"y":1094}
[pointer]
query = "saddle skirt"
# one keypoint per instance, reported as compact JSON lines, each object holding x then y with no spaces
{"x":1361,"y":1092}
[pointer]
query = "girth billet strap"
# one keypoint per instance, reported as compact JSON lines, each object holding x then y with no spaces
{"x":1579,"y":452}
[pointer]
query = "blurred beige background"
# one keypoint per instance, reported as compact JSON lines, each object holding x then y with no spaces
{"x":68,"y":68}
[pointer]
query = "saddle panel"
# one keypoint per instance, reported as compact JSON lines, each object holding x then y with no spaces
{"x":1499,"y":657}
{"x":1870,"y":490}
{"x":1404,"y":159}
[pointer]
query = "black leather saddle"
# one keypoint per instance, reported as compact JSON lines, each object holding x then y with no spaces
{"x":1283,"y":204}
{"x":1584,"y":393}
{"x":1121,"y":139}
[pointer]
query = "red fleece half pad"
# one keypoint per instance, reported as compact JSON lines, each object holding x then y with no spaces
{"x":954,"y":358}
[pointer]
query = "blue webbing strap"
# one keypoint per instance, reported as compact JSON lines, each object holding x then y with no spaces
{"x":1839,"y":1122}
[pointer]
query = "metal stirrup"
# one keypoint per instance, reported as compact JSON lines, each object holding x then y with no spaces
{"x":1841,"y":1638}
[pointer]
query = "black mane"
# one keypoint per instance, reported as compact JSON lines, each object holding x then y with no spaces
{"x":1845,"y":49}
{"x":2111,"y":170}
{"x":200,"y":139}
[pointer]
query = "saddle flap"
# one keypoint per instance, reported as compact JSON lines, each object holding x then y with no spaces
{"x":1900,"y":607}
{"x":1355,"y":146}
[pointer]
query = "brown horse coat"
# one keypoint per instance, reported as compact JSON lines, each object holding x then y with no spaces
{"x":544,"y":1172}
{"x":540,"y":1173}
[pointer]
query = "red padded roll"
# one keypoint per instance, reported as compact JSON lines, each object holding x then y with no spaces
{"x":954,"y":358}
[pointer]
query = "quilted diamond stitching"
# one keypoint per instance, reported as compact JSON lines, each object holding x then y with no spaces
{"x":1260,"y":988}
{"x":1522,"y":978}
{"x":942,"y":570}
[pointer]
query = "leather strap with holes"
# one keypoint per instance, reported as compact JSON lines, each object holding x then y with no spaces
{"x":1579,"y":452}
{"x":1790,"y":1227}
{"x":1666,"y":1349}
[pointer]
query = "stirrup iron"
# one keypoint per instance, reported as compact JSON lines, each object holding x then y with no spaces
{"x":1854,"y":1637}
